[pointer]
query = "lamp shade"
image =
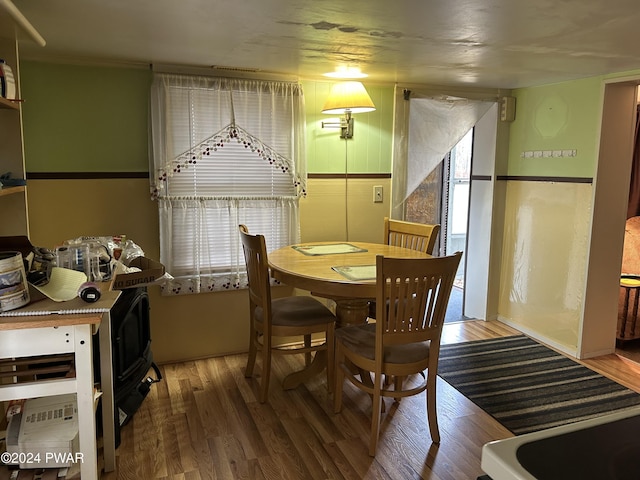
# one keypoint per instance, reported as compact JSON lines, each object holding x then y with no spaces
{"x":348,"y":96}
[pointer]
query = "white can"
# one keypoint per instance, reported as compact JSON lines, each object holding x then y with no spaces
{"x":14,"y":289}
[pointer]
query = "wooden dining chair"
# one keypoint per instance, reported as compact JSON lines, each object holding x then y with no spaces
{"x":404,"y":341}
{"x":293,"y":316}
{"x":416,"y":236}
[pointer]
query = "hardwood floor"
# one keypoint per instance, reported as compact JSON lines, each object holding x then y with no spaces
{"x":629,"y":350}
{"x":204,"y":422}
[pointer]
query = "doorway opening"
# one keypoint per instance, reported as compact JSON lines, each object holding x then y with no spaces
{"x":628,"y":328}
{"x":597,"y":334}
{"x":443,"y":198}
{"x":455,"y":201}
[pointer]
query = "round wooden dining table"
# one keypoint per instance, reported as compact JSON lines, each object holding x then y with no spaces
{"x":341,"y":271}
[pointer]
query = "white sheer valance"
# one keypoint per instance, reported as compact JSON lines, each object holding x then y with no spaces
{"x":224,"y":152}
{"x":427,"y":127}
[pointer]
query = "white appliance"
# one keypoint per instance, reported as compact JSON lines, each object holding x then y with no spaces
{"x":45,"y":433}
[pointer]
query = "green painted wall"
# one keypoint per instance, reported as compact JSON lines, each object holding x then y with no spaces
{"x":370,"y":149}
{"x":563,"y":116}
{"x":85,"y":119}
{"x":95,"y":119}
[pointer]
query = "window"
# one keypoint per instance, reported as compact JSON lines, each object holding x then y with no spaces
{"x":224,"y":152}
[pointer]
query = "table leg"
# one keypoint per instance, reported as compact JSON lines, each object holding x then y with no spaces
{"x":351,"y":312}
{"x":626,"y":311}
{"x":354,"y":312}
{"x":348,"y":312}
{"x":635,"y":312}
{"x":317,"y":365}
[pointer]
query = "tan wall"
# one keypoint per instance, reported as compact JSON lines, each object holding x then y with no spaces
{"x":191,"y":326}
{"x":324,"y":212}
{"x":549,"y":221}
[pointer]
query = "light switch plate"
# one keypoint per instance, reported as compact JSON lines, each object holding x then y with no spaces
{"x":377,"y":194}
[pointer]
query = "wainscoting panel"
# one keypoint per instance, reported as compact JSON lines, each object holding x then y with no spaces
{"x":544,"y":258}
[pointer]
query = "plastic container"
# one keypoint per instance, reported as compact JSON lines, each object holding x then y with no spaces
{"x":74,"y":257}
{"x":7,"y":81}
{"x":14,"y":290}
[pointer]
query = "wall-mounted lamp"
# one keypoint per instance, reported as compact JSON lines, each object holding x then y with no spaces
{"x":347,"y":98}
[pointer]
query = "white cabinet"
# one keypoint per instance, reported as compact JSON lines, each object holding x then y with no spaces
{"x":23,"y":337}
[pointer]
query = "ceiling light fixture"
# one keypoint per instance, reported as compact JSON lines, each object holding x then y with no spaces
{"x":347,"y":98}
{"x":345,"y":73}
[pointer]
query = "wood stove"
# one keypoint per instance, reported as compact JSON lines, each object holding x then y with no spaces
{"x":132,"y":355}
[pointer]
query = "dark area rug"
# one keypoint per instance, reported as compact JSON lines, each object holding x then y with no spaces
{"x":529,"y":387}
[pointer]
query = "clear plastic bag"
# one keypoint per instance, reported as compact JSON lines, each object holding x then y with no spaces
{"x":105,"y":252}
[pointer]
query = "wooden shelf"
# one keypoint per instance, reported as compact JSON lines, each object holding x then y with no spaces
{"x":11,"y":190}
{"x":10,"y":104}
{"x":13,"y":198}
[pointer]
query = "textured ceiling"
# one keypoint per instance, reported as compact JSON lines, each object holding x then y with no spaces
{"x":482,"y":43}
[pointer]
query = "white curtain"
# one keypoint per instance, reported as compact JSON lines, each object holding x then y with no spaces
{"x":427,"y":127}
{"x":224,"y":152}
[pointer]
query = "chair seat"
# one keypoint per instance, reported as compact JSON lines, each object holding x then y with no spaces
{"x":361,"y":339}
{"x":297,"y":311}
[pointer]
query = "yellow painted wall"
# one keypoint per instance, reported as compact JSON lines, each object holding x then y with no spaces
{"x":545,"y":258}
{"x":190,"y":326}
{"x":336,"y":209}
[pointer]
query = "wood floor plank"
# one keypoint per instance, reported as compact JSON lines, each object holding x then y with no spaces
{"x":310,"y":447}
{"x":192,"y":475}
{"x":186,"y":444}
{"x":246,"y":429}
{"x":340,"y":460}
{"x":171,"y":450}
{"x":236,"y":365}
{"x":620,"y":369}
{"x":279,"y":444}
{"x":356,"y":450}
{"x":220,"y":459}
{"x":172,"y":376}
{"x":317,"y":414}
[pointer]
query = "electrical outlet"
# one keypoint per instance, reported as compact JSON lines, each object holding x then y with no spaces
{"x":377,"y":194}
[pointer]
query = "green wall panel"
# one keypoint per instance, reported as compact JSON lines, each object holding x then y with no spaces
{"x":85,"y":118}
{"x":95,"y":119}
{"x":369,"y":151}
{"x":557,"y":117}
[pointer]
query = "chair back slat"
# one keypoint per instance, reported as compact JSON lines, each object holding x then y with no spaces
{"x":412,"y":297}
{"x":416,"y":236}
